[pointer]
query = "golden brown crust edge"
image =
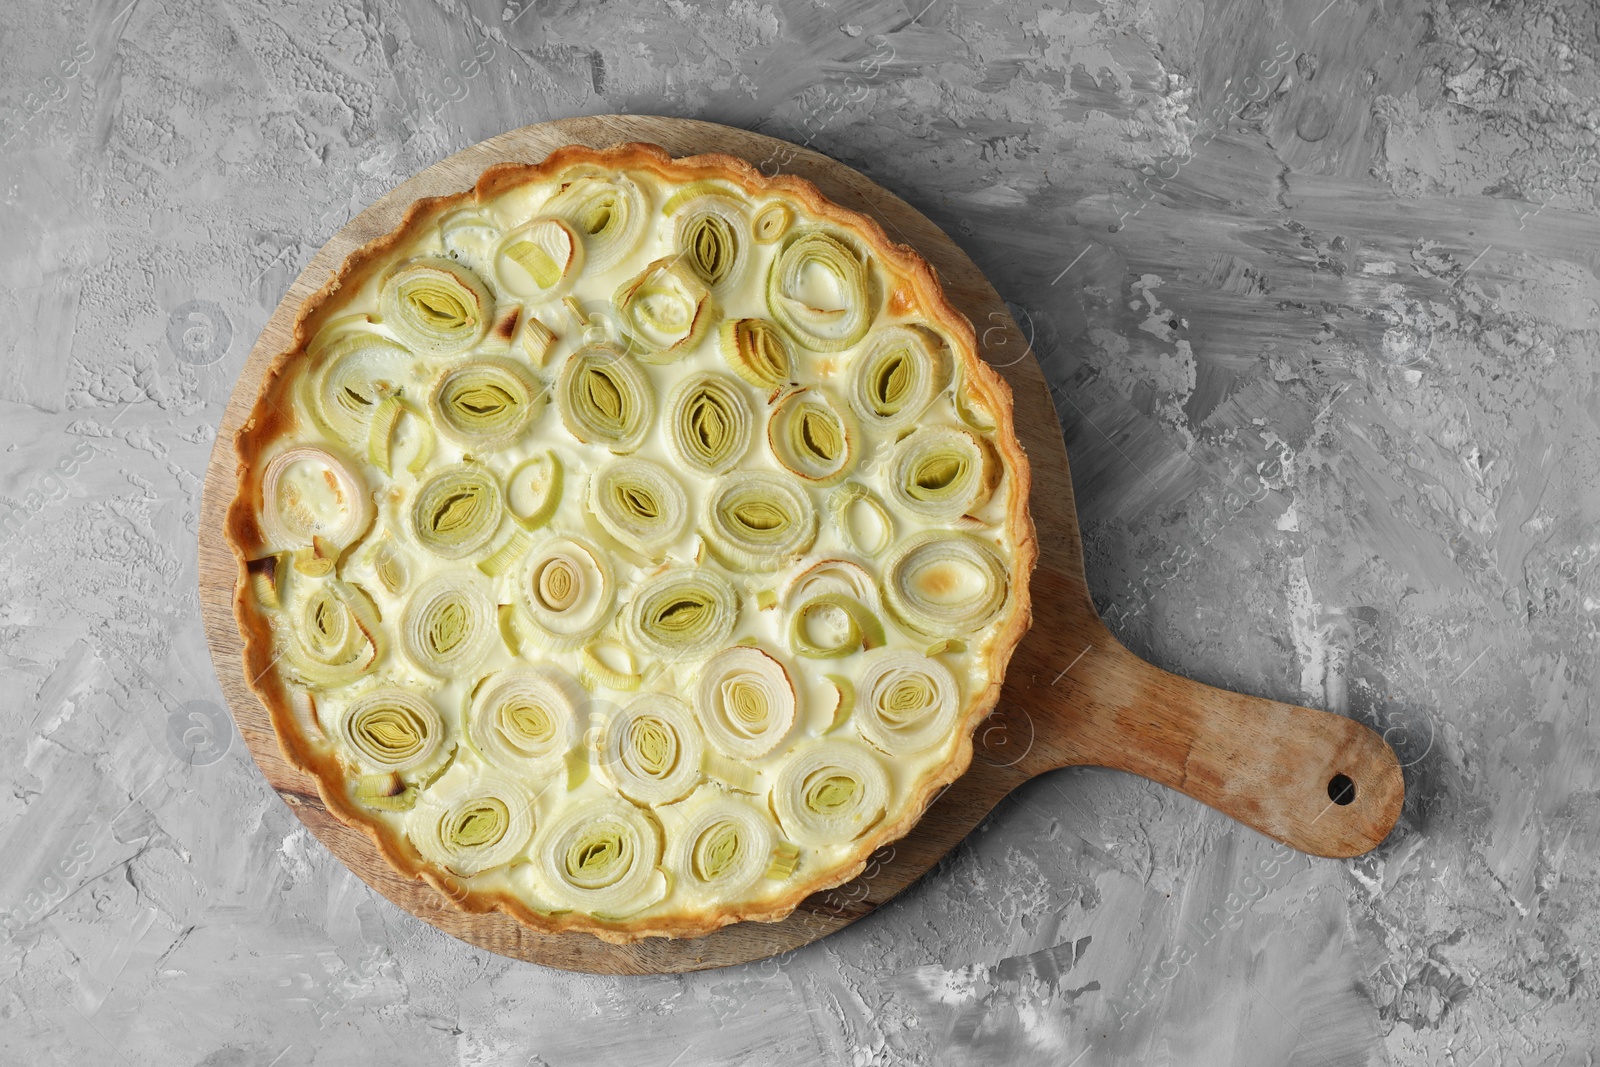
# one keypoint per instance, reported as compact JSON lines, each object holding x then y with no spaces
{"x":269,"y":418}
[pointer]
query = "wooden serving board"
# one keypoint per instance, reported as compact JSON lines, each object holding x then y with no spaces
{"x":1073,"y":695}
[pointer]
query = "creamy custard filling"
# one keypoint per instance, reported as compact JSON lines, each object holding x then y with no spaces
{"x":640,"y":552}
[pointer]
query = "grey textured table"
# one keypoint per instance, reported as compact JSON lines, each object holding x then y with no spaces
{"x":1316,"y":287}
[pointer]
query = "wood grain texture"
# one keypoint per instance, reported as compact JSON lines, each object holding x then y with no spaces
{"x":1073,"y":695}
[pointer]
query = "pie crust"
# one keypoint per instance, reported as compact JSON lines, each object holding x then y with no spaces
{"x":318,"y":538}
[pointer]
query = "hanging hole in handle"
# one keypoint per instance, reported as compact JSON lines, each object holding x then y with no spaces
{"x":1341,"y":790}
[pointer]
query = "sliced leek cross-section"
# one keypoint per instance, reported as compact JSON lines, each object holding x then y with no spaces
{"x":665,"y":309}
{"x":945,"y":584}
{"x":940,"y":473}
{"x":605,"y":398}
{"x":772,"y":221}
{"x":863,"y":522}
{"x":830,"y":793}
{"x":745,"y":701}
{"x":392,"y":729}
{"x":309,"y":493}
{"x":819,"y":290}
{"x":757,"y":352}
{"x":608,"y":214}
{"x":896,"y":376}
{"x":713,"y":238}
{"x":758,"y":520}
{"x":906,"y":701}
{"x":652,"y":750}
{"x":723,"y":845}
{"x":709,"y":423}
{"x":336,"y":637}
{"x":471,"y":823}
{"x":354,"y":375}
{"x":449,"y":623}
{"x":600,"y":855}
{"x":681,"y":613}
{"x":436,"y":306}
{"x":813,"y":437}
{"x":457,"y":511}
{"x":485,"y":403}
{"x":566,"y":587}
{"x":524,"y":720}
{"x":640,"y":504}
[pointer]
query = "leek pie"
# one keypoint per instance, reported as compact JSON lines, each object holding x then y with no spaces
{"x":631,"y":544}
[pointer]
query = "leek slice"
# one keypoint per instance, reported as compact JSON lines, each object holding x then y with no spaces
{"x":608,"y":213}
{"x":723,"y":846}
{"x":819,"y":290}
{"x":599,"y":856}
{"x":449,"y":624}
{"x":502,"y":330}
{"x":390,"y":729}
{"x":435,"y":306}
{"x":537,"y":340}
{"x":945,"y":584}
{"x":681,"y":613}
{"x":831,"y":625}
{"x":484,"y":403}
{"x":940,"y":473}
{"x":566,"y":587}
{"x":709,"y":424}
{"x":758,"y":520}
{"x":785,"y":860}
{"x":264,"y":576}
{"x":905,"y":702}
{"x":664,"y":310}
{"x":813,"y":437}
{"x":973,"y":410}
{"x":830,"y":576}
{"x":735,"y":774}
{"x":651,"y":750}
{"x":640,"y":504}
{"x":605,"y":398}
{"x":713,"y":238}
{"x":609,"y":665}
{"x":540,"y":260}
{"x":757,"y":352}
{"x":353,"y":376}
{"x":533,"y":490}
{"x":308,"y":493}
{"x":696,"y":190}
{"x":385,"y":792}
{"x":525,"y":719}
{"x":772,"y":221}
{"x":845,"y":690}
{"x":862,"y":520}
{"x":745,"y":701}
{"x":388,"y":563}
{"x":896,"y":376}
{"x":830,"y":793}
{"x":470,"y":237}
{"x":457,"y":511}
{"x":470,"y":823}
{"x":381,"y":430}
{"x":335,"y":637}
{"x":501,"y":559}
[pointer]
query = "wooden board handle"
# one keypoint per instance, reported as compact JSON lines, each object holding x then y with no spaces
{"x":1316,"y":781}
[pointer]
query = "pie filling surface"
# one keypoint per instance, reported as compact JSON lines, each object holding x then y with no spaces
{"x":631,"y":544}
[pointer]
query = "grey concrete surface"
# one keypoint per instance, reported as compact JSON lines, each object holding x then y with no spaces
{"x":1323,"y":340}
